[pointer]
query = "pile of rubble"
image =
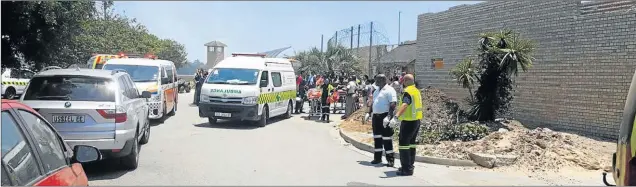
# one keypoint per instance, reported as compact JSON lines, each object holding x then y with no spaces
{"x":505,"y":143}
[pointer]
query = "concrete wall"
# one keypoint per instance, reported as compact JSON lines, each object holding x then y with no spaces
{"x":585,"y":58}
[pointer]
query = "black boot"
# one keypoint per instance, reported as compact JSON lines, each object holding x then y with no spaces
{"x":390,"y":159}
{"x":377,"y":158}
{"x":404,"y":172}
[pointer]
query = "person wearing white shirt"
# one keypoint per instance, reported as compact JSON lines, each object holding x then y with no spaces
{"x":381,"y":111}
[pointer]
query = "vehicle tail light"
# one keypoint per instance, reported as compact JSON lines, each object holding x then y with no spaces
{"x":112,"y":114}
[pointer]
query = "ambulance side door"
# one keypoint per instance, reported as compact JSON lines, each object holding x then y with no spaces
{"x":277,"y":88}
{"x":265,"y":85}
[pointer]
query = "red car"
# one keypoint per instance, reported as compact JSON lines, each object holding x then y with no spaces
{"x":34,"y":154}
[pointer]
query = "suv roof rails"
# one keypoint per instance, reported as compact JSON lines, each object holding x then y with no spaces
{"x":117,"y":71}
{"x":51,"y":67}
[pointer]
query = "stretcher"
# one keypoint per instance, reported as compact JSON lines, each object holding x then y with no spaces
{"x":315,"y":106}
{"x":338,"y":99}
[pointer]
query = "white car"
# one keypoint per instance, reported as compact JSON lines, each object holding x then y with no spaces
{"x":248,"y":87}
{"x":14,"y":81}
{"x":99,"y":108}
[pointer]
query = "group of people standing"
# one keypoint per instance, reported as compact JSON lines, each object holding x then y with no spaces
{"x":199,"y":78}
{"x":385,"y":110}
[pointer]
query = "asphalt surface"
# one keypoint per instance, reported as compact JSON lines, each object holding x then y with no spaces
{"x":186,"y":150}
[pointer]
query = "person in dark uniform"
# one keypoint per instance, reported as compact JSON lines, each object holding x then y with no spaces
{"x":302,"y":95}
{"x":204,"y":75}
{"x":381,"y":113}
{"x":323,"y":100}
{"x":409,"y":113}
{"x":197,"y":79}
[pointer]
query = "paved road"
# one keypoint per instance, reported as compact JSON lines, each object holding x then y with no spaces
{"x":186,"y":150}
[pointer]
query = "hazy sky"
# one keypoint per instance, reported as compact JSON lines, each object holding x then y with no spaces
{"x":262,"y":26}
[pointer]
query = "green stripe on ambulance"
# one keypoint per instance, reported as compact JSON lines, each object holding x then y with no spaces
{"x":276,"y":96}
{"x":18,"y":83}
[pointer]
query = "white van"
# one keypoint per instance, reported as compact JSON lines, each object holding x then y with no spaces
{"x":14,"y":81}
{"x":248,"y":87}
{"x":159,"y":77}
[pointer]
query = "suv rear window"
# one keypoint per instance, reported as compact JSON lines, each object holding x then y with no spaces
{"x":70,"y":88}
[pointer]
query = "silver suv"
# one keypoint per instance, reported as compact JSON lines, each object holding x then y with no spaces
{"x":99,"y":108}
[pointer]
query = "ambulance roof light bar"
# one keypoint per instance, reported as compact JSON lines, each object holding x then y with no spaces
{"x":247,"y":54}
{"x":132,"y":55}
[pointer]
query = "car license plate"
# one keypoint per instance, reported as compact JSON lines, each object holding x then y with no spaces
{"x":68,"y":119}
{"x":220,"y":114}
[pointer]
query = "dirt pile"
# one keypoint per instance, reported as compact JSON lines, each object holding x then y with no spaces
{"x":539,"y":149}
{"x":354,"y":122}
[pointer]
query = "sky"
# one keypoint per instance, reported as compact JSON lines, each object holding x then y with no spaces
{"x":259,"y":26}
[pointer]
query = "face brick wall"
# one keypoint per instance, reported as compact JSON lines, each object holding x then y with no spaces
{"x":585,"y":58}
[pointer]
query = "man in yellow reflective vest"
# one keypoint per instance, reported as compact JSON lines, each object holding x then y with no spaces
{"x":410,"y":113}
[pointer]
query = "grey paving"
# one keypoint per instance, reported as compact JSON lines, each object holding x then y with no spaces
{"x":186,"y":150}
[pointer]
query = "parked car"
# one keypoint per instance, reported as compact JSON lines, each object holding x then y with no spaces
{"x":33,"y":153}
{"x":100,"y":108}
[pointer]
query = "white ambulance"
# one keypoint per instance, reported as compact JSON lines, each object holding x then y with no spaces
{"x":157,"y":76}
{"x":248,"y":87}
{"x":14,"y":81}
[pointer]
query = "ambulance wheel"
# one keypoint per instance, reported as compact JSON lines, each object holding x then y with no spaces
{"x":212,"y":121}
{"x":263,"y":121}
{"x":290,"y":110}
{"x":164,"y":114}
{"x":174,"y":109}
{"x":9,"y":93}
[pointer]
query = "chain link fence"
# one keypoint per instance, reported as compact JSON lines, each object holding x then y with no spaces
{"x":368,"y":41}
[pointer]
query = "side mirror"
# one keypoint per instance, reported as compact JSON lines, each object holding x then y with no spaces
{"x":146,"y":94}
{"x":85,"y":153}
{"x":263,"y":83}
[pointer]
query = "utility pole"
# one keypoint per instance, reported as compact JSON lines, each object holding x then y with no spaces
{"x":358,"y":48}
{"x":370,"y":49}
{"x":351,"y":33}
{"x":399,"y":25}
{"x":322,"y":40}
{"x":335,"y":40}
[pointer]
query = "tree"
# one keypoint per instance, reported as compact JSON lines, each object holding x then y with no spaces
{"x":501,"y":54}
{"x":39,"y":33}
{"x":335,"y":58}
{"x":465,"y":73}
{"x":173,"y":51}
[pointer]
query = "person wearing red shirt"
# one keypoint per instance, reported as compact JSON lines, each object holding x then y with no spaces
{"x":299,"y":79}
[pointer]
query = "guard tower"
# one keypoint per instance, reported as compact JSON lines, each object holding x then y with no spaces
{"x":215,"y":53}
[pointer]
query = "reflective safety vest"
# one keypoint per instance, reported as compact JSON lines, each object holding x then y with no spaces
{"x":414,"y":110}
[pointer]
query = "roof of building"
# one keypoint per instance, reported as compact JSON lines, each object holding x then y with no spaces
{"x":404,"y":53}
{"x":215,"y":44}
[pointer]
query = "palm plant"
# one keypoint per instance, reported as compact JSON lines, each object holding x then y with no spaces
{"x":501,"y":55}
{"x":465,"y":73}
{"x":336,"y":57}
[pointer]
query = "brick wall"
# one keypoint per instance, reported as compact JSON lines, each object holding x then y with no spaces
{"x":585,"y":58}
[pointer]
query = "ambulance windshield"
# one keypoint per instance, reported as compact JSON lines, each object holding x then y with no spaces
{"x":233,"y":76}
